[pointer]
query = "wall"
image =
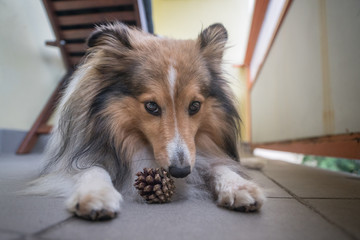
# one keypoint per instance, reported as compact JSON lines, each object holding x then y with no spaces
{"x":309,"y":83}
{"x":184,"y":19}
{"x":29,"y":70}
{"x":343,"y":21}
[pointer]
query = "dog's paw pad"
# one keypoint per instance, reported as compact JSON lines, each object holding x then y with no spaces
{"x":248,"y":208}
{"x":97,"y":215}
{"x":96,"y":205}
{"x":243,"y":196}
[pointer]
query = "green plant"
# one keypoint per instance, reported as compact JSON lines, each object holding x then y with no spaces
{"x":334,"y":164}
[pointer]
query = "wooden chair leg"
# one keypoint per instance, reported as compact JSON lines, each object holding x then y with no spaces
{"x":40,"y":126}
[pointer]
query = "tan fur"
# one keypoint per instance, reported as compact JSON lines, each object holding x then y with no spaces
{"x":184,"y":57}
{"x":105,"y":131}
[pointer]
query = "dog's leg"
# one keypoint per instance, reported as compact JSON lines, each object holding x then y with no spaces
{"x":235,"y":192}
{"x":94,"y":195}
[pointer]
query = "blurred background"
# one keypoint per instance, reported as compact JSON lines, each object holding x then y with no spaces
{"x":293,"y":65}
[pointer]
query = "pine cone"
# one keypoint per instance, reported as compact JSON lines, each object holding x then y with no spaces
{"x":155,"y":185}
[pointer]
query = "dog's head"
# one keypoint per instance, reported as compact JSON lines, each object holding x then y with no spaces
{"x":163,"y":92}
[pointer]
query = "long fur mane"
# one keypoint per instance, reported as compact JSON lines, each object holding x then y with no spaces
{"x":95,"y":124}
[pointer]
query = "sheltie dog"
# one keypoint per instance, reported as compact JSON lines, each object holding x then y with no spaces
{"x":136,"y":101}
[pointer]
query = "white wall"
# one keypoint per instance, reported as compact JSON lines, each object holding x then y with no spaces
{"x":310,"y":82}
{"x":184,"y":19}
{"x":29,"y":70}
{"x":343,"y":21}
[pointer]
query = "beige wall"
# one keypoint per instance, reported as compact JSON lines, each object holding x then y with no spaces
{"x":29,"y":70}
{"x":343,"y":21}
{"x":309,"y":84}
{"x":185,"y":18}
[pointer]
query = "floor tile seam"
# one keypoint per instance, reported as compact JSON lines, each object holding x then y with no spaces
{"x":312,"y":208}
{"x":12,"y":232}
{"x":32,"y":237}
{"x":50,"y":227}
{"x":330,"y":198}
{"x":279,"y":197}
{"x":263,"y":174}
{"x":352,"y":178}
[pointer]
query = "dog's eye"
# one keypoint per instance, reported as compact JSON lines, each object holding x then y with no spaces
{"x":153,"y":108}
{"x":194,"y":107}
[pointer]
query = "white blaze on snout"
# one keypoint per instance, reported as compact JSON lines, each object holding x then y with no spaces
{"x":177,"y":149}
{"x":172,"y":80}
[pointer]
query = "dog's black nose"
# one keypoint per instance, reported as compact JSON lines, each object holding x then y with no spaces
{"x":179,"y":172}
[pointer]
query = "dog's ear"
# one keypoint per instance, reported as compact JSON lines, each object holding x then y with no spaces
{"x":212,"y":42}
{"x":110,"y":34}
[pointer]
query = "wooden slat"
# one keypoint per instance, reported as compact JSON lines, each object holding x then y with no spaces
{"x":55,"y":23}
{"x":137,"y":13}
{"x":75,"y":60}
{"x":52,"y":43}
{"x":76,"y":34}
{"x":44,"y":129}
{"x":342,"y":146}
{"x":281,"y":19}
{"x":257,"y":21}
{"x":75,"y":47}
{"x":77,"y":5}
{"x":96,"y":18}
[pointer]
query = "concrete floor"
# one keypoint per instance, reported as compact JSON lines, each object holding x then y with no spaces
{"x":303,"y":203}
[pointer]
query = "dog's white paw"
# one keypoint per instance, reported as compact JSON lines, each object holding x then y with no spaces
{"x":95,"y":204}
{"x":237,"y":193}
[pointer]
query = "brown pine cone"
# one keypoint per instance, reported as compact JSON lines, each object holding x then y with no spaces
{"x":155,"y":185}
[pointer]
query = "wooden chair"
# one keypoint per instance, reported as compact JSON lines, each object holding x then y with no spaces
{"x":72,"y":22}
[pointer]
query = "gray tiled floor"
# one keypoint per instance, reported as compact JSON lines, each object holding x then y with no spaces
{"x":303,"y":203}
{"x":344,"y":212}
{"x":303,"y":180}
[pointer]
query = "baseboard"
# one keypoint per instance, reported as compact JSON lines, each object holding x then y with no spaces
{"x":10,"y":140}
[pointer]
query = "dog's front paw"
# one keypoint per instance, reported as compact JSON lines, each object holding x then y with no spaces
{"x":237,"y":193}
{"x":99,"y":204}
